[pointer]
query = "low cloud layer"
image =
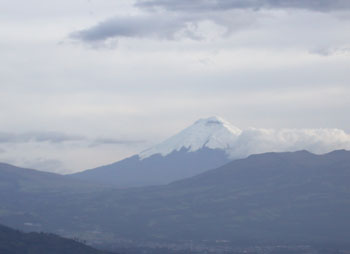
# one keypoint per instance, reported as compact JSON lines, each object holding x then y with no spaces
{"x":53,"y":137}
{"x":112,"y":141}
{"x":59,"y":137}
{"x":53,"y":153}
{"x":60,"y":152}
{"x":254,"y":141}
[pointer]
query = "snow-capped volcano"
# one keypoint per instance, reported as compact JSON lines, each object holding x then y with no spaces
{"x":204,"y":145}
{"x":208,"y":144}
{"x":213,"y":132}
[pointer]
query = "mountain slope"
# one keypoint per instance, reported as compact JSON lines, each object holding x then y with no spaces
{"x":21,"y":188}
{"x":16,"y":242}
{"x":198,"y":148}
{"x":155,"y":170}
{"x":275,"y":197}
{"x":17,"y":179}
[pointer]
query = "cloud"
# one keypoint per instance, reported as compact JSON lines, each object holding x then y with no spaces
{"x":65,"y":156}
{"x":178,"y":19}
{"x":58,"y":137}
{"x":112,"y":141}
{"x":223,"y":5}
{"x":53,"y":137}
{"x":163,"y":26}
{"x":254,"y":141}
{"x":329,"y":51}
{"x":156,"y":26}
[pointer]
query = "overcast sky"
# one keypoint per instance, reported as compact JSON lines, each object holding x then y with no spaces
{"x":88,"y":82}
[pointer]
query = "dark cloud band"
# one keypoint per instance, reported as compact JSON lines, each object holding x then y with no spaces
{"x":200,"y":5}
{"x":155,"y":26}
{"x":172,"y":19}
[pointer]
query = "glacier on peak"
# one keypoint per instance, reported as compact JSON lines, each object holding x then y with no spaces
{"x":213,"y":132}
{"x":217,"y":133}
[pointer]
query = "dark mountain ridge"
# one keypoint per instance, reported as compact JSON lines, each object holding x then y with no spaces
{"x":16,"y":242}
{"x":294,"y":197}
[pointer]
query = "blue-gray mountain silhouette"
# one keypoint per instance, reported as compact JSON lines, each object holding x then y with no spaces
{"x":295,"y":197}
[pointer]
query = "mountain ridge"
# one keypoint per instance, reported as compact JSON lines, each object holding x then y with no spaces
{"x":17,"y":242}
{"x":32,"y":180}
{"x":292,"y":197}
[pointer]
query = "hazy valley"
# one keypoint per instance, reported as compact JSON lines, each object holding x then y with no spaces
{"x":287,"y":202}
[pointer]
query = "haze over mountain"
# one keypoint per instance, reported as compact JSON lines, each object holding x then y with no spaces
{"x":198,"y":148}
{"x":15,"y":179}
{"x":107,"y":96}
{"x":207,"y":144}
{"x":295,"y":197}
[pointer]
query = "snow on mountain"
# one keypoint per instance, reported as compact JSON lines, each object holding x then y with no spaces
{"x":208,"y":144}
{"x":213,"y":132}
{"x":216,"y":133}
